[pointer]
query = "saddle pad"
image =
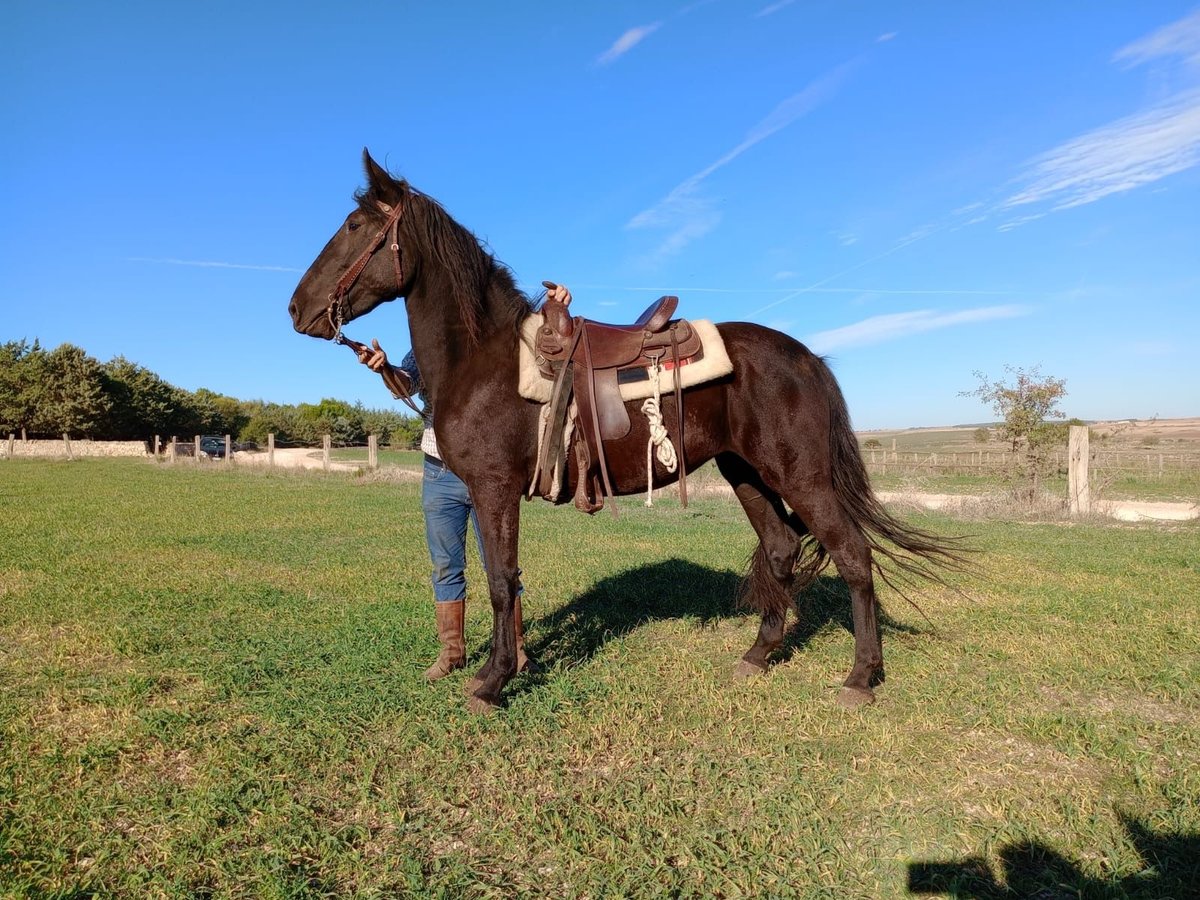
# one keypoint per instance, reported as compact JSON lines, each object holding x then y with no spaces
{"x":532,"y":385}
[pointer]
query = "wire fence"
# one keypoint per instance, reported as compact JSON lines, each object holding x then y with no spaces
{"x":999,"y":462}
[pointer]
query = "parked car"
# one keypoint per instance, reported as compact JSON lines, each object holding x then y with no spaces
{"x":212,"y":446}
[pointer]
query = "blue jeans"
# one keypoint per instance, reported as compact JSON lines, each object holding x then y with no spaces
{"x":447,"y":505}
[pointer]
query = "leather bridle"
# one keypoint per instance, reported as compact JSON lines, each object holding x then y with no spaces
{"x":338,"y":307}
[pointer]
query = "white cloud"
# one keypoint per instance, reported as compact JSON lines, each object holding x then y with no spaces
{"x":1127,"y":154}
{"x":1015,"y":222}
{"x":1181,"y":38}
{"x":884,"y":38}
{"x":627,"y":42}
{"x":773,"y":8}
{"x":879,"y":329}
{"x":690,"y":215}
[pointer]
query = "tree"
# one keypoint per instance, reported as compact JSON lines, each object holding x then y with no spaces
{"x":408,"y":435}
{"x":22,"y":382}
{"x":336,"y":418}
{"x":982,"y":435}
{"x":220,"y":414}
{"x":142,"y":403}
{"x":1023,"y":407}
{"x":73,"y":400}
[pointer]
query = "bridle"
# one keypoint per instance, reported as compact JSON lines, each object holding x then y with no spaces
{"x":337,"y":297}
{"x":338,"y":307}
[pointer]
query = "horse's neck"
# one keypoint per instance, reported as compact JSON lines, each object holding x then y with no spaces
{"x":440,"y":338}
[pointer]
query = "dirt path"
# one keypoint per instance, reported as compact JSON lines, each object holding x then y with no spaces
{"x":294,"y":458}
{"x":1124,"y":510}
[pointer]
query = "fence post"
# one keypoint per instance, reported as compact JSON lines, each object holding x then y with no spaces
{"x":228,"y":449}
{"x":1078,"y":490}
{"x":172,"y":451}
{"x":196,"y":450}
{"x":325,"y":442}
{"x":271,"y":450}
{"x":67,"y":444}
{"x":12,"y":439}
{"x":372,"y":451}
{"x":157,"y":446}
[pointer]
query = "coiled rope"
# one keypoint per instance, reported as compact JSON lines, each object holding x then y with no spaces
{"x":659,"y":443}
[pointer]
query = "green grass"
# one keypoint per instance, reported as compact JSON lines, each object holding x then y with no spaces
{"x":387,"y":456}
{"x":1178,"y":486}
{"x":210,"y":685}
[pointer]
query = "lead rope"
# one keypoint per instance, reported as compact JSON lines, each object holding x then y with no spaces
{"x":659,"y":443}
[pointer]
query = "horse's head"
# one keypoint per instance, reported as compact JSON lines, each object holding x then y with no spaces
{"x":364,"y":263}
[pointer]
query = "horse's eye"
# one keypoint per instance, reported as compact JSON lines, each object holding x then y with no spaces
{"x":353,"y":226}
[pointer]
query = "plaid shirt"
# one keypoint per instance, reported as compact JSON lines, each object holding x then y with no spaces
{"x":408,"y":366}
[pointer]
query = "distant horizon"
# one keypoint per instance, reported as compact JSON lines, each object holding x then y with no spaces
{"x":392,"y":406}
{"x":996,"y":424}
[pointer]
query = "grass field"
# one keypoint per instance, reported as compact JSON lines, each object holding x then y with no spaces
{"x":210,"y":687}
{"x":387,"y":456}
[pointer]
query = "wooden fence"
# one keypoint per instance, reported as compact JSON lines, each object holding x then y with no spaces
{"x":983,"y":462}
{"x":173,"y":449}
{"x":174,"y":452}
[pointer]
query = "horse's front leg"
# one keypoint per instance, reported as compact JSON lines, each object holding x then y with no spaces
{"x":499,"y":517}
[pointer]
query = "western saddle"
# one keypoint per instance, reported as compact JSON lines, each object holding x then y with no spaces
{"x":591,"y":360}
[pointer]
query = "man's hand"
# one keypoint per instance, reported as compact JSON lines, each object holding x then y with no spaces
{"x":557,"y":293}
{"x":372,"y":357}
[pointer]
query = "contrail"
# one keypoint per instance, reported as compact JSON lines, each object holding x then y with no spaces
{"x":810,"y":290}
{"x":205,"y":264}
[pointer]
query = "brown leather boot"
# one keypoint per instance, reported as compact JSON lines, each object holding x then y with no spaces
{"x":450,"y":633}
{"x":524,"y":663}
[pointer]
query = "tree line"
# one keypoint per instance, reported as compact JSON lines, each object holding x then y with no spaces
{"x":48,"y":393}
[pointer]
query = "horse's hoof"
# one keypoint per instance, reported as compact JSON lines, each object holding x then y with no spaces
{"x":482,"y":707}
{"x":472,"y":686}
{"x":746,"y":669}
{"x":852,"y":697}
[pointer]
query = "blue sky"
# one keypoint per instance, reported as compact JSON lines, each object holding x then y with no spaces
{"x":917,"y":190}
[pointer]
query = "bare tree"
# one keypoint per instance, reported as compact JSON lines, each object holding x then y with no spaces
{"x":1024,"y":406}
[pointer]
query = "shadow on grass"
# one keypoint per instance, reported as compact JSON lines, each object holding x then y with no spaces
{"x":1171,"y":869}
{"x":824,"y":604}
{"x":679,"y":589}
{"x":620,"y":603}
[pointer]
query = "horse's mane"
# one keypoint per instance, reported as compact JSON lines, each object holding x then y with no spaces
{"x":483,"y":287}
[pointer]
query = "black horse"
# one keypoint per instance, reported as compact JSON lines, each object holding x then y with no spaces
{"x":777,"y":426}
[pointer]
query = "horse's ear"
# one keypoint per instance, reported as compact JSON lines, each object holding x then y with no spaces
{"x":380,"y":184}
{"x":376,"y":176}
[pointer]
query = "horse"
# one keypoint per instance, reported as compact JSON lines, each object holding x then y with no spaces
{"x":777,"y":427}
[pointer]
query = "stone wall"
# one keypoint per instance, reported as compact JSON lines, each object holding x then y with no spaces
{"x":56,"y":449}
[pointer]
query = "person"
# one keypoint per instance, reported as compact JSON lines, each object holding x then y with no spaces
{"x":446,"y":504}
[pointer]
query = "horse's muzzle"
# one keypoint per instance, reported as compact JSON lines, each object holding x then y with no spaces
{"x":317,"y":325}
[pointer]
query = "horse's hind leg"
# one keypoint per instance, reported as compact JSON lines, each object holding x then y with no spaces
{"x":845,"y":543}
{"x":769,"y":579}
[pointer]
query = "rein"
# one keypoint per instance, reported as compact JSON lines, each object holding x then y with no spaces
{"x":337,"y":297}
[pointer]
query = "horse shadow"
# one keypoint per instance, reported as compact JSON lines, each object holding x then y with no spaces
{"x":678,"y":589}
{"x":1171,"y":869}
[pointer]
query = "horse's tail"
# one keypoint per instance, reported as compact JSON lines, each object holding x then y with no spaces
{"x":914,"y":552}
